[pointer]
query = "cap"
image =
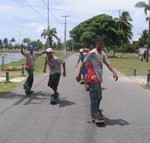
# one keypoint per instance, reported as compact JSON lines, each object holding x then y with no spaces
{"x":81,"y":51}
{"x":48,"y":50}
{"x":30,"y":47}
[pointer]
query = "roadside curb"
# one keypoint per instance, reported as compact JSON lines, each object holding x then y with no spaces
{"x":16,"y":79}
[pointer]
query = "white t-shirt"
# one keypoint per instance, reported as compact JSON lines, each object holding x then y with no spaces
{"x":54,"y":64}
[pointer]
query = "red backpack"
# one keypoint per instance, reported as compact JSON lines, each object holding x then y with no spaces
{"x":91,"y":77}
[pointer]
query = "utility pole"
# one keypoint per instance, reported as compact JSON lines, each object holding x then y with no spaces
{"x":48,"y":42}
{"x":65,"y":16}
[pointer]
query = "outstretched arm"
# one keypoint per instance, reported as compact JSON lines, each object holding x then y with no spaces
{"x":64,"y":69}
{"x":21,"y":48}
{"x":45,"y":65}
{"x":115,"y":76}
{"x":78,"y":78}
{"x":78,"y":61}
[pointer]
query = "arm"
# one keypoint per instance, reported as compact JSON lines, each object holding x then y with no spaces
{"x":64,"y":69}
{"x":107,"y":63}
{"x":21,"y":48}
{"x":78,"y":61}
{"x":78,"y":78}
{"x":45,"y":65}
{"x":115,"y":76}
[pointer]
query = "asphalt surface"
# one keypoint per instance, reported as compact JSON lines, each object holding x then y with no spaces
{"x":34,"y":120}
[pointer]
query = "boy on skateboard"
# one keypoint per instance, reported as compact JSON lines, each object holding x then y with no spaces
{"x":54,"y":64}
{"x":96,"y":58}
{"x":30,"y":66}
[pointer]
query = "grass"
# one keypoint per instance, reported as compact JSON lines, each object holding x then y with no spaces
{"x":128,"y":63}
{"x":7,"y":87}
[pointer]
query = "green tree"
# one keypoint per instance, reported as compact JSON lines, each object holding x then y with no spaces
{"x":5,"y":42}
{"x":26,"y":41}
{"x":102,"y":25}
{"x":144,"y":38}
{"x":1,"y":43}
{"x":146,"y":6}
{"x":37,"y":44}
{"x":12,"y":41}
{"x":125,"y":27}
{"x":49,"y":34}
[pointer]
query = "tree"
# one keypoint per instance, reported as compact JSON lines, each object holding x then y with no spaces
{"x":125,"y":27}
{"x":1,"y":44}
{"x":98,"y":26}
{"x":5,"y":42}
{"x":37,"y":44}
{"x":12,"y":41}
{"x":49,"y":34}
{"x":146,"y":6}
{"x":144,"y":38}
{"x":26,"y":41}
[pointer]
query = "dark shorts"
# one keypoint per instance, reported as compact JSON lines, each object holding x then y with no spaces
{"x":54,"y":80}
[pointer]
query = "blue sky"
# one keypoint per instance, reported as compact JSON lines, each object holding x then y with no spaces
{"x":28,"y":18}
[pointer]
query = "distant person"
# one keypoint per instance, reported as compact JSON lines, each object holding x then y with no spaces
{"x":82,"y":55}
{"x":95,"y":59}
{"x":54,"y":64}
{"x":30,"y":66}
{"x":143,"y":57}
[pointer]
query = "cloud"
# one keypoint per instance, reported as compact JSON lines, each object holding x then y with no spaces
{"x":30,"y":16}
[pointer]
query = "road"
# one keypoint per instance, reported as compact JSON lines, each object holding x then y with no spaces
{"x":33,"y":120}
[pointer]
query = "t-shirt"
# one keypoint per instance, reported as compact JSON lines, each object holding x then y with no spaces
{"x":30,"y":59}
{"x":54,"y":64}
{"x":97,"y":60}
{"x":82,"y":57}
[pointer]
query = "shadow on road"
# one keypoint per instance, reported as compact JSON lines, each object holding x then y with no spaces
{"x":112,"y":122}
{"x":34,"y":98}
{"x":64,"y":102}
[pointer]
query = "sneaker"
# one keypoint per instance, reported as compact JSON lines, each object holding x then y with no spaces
{"x":87,"y":87}
{"x":101,"y":118}
{"x":55,"y":96}
{"x":53,"y":101}
{"x":28,"y":92}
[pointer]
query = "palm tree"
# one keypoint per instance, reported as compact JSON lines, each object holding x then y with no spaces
{"x":12,"y":41}
{"x":26,"y":41}
{"x":5,"y":42}
{"x":125,"y":27}
{"x":1,"y":43}
{"x":144,"y":38}
{"x":146,"y":6}
{"x":49,"y":34}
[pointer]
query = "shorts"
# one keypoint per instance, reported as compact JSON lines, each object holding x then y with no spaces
{"x":54,"y":80}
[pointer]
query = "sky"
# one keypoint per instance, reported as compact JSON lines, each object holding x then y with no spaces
{"x":27,"y":18}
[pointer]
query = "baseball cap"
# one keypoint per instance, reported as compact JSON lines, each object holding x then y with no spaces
{"x":81,"y":50}
{"x":48,"y":50}
{"x":30,"y":47}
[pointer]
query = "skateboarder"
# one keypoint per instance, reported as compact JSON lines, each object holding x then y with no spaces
{"x":55,"y":71}
{"x":96,"y":58}
{"x":30,"y":66}
{"x":84,"y":70}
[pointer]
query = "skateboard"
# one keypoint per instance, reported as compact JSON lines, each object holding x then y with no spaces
{"x":99,"y":122}
{"x":53,"y":100}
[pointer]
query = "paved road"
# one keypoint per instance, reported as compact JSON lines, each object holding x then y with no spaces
{"x":33,"y":120}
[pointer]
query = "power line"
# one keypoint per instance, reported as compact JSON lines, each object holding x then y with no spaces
{"x":46,"y":4}
{"x":33,"y":9}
